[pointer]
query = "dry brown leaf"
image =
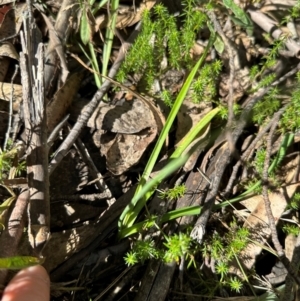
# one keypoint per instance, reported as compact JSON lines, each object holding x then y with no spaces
{"x":289,"y":243}
{"x":127,"y":150}
{"x":5,"y":94}
{"x":6,"y":1}
{"x":124,"y":132}
{"x":3,"y":10}
{"x":257,"y":222}
{"x":13,"y":21}
{"x":125,"y":118}
{"x":8,"y":50}
{"x":126,"y":17}
{"x":288,"y":172}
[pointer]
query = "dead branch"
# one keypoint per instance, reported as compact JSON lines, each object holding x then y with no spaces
{"x":32,"y":71}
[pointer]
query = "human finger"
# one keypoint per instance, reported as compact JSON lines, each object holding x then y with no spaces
{"x":29,"y":284}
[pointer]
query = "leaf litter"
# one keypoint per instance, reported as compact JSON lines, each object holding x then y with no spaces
{"x":119,"y":138}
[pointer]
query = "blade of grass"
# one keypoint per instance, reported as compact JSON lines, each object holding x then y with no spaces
{"x":19,"y":262}
{"x":109,"y":35}
{"x":245,"y":275}
{"x":130,"y":213}
{"x":95,"y":66}
{"x":169,"y":216}
{"x":166,"y":129}
{"x":196,"y":210}
{"x":202,"y":124}
{"x":192,"y":134}
{"x":94,"y":63}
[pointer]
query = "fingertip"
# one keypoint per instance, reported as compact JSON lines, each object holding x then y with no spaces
{"x":32,"y":283}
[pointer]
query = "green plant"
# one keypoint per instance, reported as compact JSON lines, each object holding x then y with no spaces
{"x":222,"y":269}
{"x":167,"y":98}
{"x":223,"y":249}
{"x":295,"y":201}
{"x":140,"y":52}
{"x":86,"y":12}
{"x":269,"y":60}
{"x":204,"y":86}
{"x":240,"y":17}
{"x":259,"y":160}
{"x":141,"y":251}
{"x":177,"y":245}
{"x":224,"y":110}
{"x":290,"y":121}
{"x":173,"y":193}
{"x":235,"y":284}
{"x":167,"y":217}
{"x":174,"y":248}
{"x":144,"y":189}
{"x":160,"y":32}
{"x":131,"y":258}
{"x":19,"y":262}
{"x":295,"y":11}
{"x":6,"y":162}
{"x":266,"y":107}
{"x":291,"y":229}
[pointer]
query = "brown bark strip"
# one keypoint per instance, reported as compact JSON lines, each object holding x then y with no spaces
{"x":10,"y":238}
{"x":32,"y":71}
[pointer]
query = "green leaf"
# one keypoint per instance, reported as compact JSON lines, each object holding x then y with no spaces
{"x":85,"y":31}
{"x":241,"y":18}
{"x":131,"y":212}
{"x":219,"y":45}
{"x":101,"y":4}
{"x":192,"y":134}
{"x":95,"y":66}
{"x":109,"y":35}
{"x":19,"y":262}
{"x":169,"y":216}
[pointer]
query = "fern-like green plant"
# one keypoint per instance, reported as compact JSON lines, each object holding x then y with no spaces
{"x":162,"y":37}
{"x":204,"y":86}
{"x":223,"y":249}
{"x":266,"y":107}
{"x":173,"y":193}
{"x":290,"y":121}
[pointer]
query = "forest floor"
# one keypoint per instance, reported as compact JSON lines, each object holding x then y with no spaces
{"x":158,"y":143}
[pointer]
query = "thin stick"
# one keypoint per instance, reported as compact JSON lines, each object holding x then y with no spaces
{"x":84,"y":117}
{"x":199,"y":229}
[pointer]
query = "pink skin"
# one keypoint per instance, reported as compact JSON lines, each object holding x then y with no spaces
{"x":30,"y":284}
